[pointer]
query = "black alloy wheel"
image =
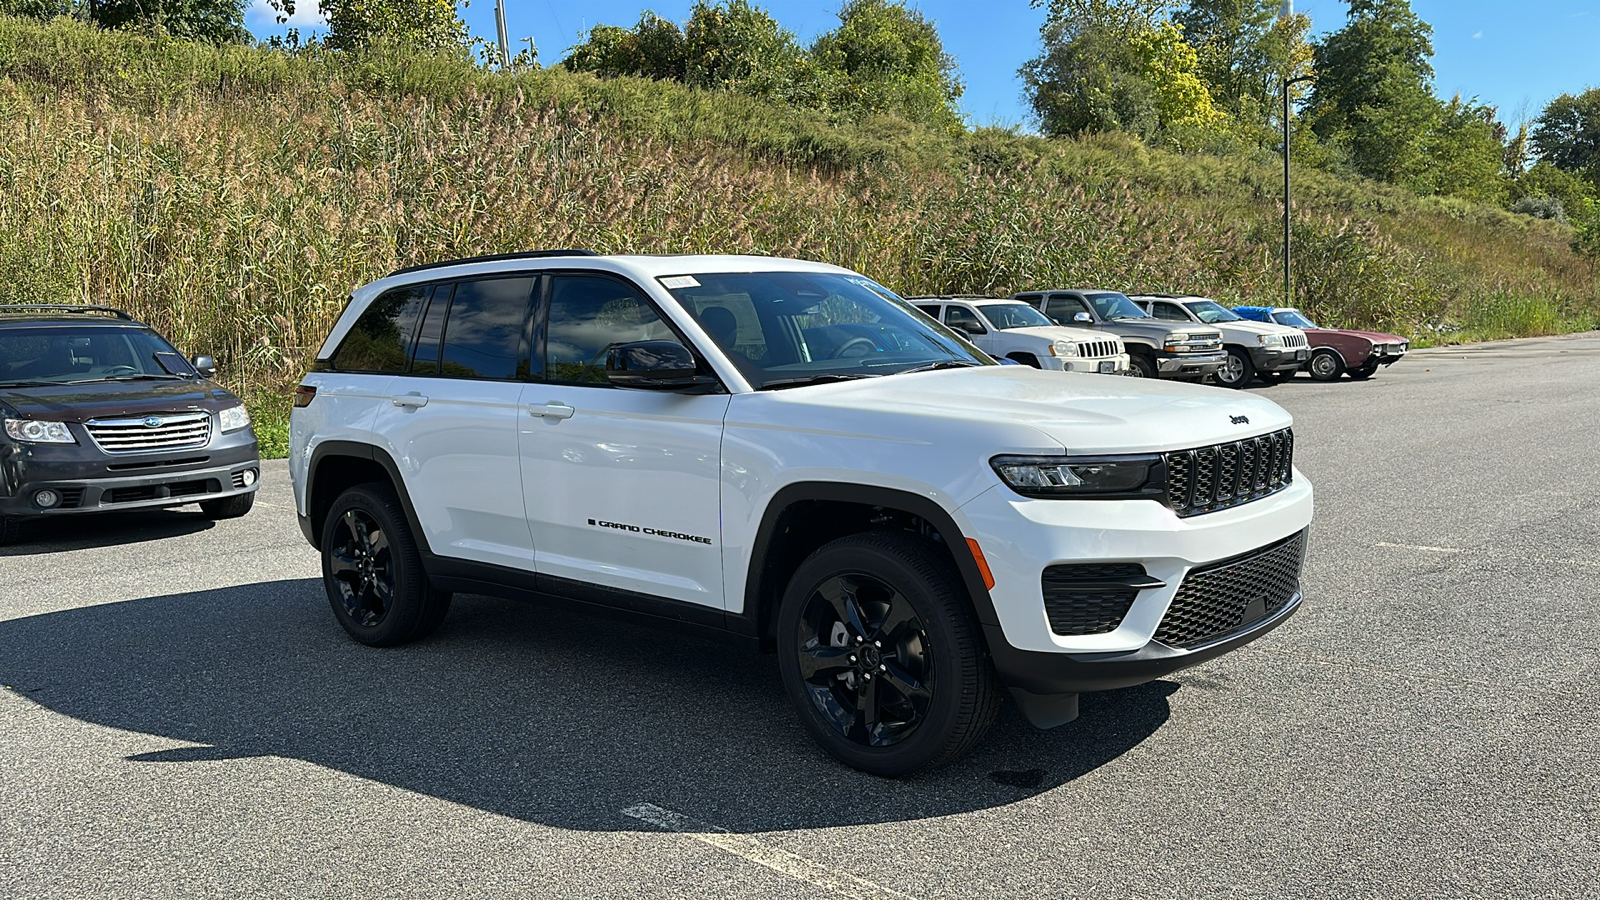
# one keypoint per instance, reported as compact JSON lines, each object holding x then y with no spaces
{"x":882,"y":658}
{"x":1238,"y":371}
{"x":373,"y":571}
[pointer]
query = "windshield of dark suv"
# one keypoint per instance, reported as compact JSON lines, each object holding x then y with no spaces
{"x":786,"y":329}
{"x":1006,"y":316}
{"x":1112,"y":305}
{"x":1211,"y":312}
{"x":76,"y":354}
{"x":1292,"y":318}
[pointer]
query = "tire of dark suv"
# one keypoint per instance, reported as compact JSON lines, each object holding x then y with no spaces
{"x":1141,"y":365}
{"x":10,"y":530}
{"x":373,"y":572}
{"x":882,"y":657}
{"x":228,"y":507}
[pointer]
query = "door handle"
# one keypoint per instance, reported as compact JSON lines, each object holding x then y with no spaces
{"x":552,"y":410}
{"x":412,"y":400}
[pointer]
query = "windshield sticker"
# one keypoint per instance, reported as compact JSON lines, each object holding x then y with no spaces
{"x":674,"y":282}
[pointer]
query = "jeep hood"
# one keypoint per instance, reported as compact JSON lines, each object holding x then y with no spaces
{"x":1081,"y":413}
{"x":1053,"y":333}
{"x":113,"y":399}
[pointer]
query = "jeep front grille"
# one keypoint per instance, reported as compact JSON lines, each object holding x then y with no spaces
{"x":1098,"y":349}
{"x":1227,"y":475}
{"x":155,"y":432}
{"x":1225,"y":597}
{"x":1295,"y":341}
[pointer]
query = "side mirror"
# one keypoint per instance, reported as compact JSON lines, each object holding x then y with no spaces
{"x":1083,"y":318}
{"x":206,"y":366}
{"x":654,"y":365}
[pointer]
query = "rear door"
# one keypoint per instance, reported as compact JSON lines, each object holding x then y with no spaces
{"x":451,"y":421}
{"x":621,"y":487}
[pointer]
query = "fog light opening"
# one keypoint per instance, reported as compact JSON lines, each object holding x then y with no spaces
{"x":249,"y":477}
{"x":47,"y":499}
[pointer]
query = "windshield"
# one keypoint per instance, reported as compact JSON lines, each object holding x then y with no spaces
{"x":1211,"y":312}
{"x":1292,"y":318}
{"x":1112,"y":305}
{"x":793,"y":328}
{"x":76,"y":354}
{"x":1006,"y":316}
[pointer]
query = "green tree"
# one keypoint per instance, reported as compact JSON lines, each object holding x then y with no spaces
{"x":655,"y":48}
{"x":734,"y":45}
{"x":1246,"y":49}
{"x":412,"y":24}
{"x":1464,"y":154}
{"x":36,"y":9}
{"x":1567,"y":133}
{"x":205,"y":21}
{"x":884,"y":56}
{"x":1115,"y":65}
{"x":1373,"y":95}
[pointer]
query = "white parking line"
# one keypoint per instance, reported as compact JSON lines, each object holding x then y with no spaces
{"x":1420,"y":547}
{"x":774,"y":858}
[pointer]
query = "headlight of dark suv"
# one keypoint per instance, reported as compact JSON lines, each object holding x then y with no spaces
{"x":1069,"y":477}
{"x":34,"y":431}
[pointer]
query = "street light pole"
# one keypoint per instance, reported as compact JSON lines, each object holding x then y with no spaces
{"x":1288,"y":285}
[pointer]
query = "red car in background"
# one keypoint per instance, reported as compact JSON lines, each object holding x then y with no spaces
{"x":1334,"y":351}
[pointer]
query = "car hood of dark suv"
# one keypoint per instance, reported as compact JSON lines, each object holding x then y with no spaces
{"x":112,"y":399}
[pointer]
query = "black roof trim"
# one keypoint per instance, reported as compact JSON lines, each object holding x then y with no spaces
{"x":14,"y":308}
{"x":496,"y":257}
{"x":955,"y":297}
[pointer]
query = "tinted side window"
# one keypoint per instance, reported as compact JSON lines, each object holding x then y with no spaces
{"x":958,"y":317}
{"x":426,"y":360}
{"x":1062,"y":309}
{"x":1168,"y":312}
{"x":589,"y":314}
{"x":381,"y":339}
{"x":930,"y":310}
{"x":483,"y":334}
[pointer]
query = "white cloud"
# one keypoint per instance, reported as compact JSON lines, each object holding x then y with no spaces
{"x":1478,"y":36}
{"x":307,"y":14}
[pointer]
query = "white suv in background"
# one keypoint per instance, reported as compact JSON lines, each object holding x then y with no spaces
{"x":789,"y":453}
{"x":1011,"y":329}
{"x":1254,"y":348}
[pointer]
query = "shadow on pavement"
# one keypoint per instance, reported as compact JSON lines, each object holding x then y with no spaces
{"x":54,"y":534}
{"x":546,"y":716}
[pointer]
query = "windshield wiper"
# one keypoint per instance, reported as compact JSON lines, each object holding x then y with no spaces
{"x":824,"y":378}
{"x":143,"y":377}
{"x":31,"y":383}
{"x":1135,"y":318}
{"x":941,"y":364}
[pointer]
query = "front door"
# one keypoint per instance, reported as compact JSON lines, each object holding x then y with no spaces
{"x":621,"y":486}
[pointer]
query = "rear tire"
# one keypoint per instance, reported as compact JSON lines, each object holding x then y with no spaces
{"x":1326,"y":365}
{"x":881,"y":655}
{"x":10,"y":530}
{"x":228,"y":507}
{"x":1238,"y":371}
{"x":373,"y":573}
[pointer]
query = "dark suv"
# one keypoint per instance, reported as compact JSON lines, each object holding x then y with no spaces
{"x":100,"y":413}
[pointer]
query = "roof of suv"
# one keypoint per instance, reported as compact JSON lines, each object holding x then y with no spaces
{"x":973,"y":299}
{"x":641,"y":267}
{"x":63,"y":314}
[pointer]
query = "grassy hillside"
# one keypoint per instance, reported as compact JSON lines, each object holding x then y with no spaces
{"x":233,"y":196}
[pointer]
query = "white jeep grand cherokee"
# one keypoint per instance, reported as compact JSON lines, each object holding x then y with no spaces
{"x":1011,"y":329}
{"x":787,"y":452}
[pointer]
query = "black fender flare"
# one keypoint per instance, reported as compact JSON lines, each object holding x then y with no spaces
{"x":358,"y":450}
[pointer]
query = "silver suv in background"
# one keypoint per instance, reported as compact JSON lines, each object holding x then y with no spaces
{"x":1155,"y":349}
{"x":1254,"y":348}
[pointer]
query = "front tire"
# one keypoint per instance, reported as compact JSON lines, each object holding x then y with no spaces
{"x":1238,"y":371}
{"x":881,"y":656}
{"x":1326,"y":366}
{"x":228,"y":507}
{"x":10,"y":530}
{"x":1362,"y":373}
{"x":1142,"y":366}
{"x":373,"y":571}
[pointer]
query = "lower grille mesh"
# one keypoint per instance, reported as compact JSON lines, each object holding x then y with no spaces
{"x":1227,"y":596}
{"x":1078,"y":601}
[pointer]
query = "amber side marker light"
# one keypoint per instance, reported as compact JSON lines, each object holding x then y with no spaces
{"x":303,"y":395}
{"x":983,"y":564}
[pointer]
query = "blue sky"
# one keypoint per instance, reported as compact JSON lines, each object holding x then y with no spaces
{"x":1514,"y":55}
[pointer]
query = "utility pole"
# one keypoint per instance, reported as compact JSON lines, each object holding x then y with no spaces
{"x":1288,"y":283}
{"x":505,"y":41}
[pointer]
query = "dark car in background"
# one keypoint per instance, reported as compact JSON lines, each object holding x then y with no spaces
{"x":100,"y":413}
{"x":1156,"y":349}
{"x":1334,"y":351}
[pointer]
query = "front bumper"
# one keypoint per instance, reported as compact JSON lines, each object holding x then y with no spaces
{"x":1279,"y":359}
{"x":1118,"y":365}
{"x":1189,"y":365}
{"x":1021,"y":538}
{"x":84,"y":477}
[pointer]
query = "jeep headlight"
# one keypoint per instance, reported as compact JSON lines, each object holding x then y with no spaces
{"x":1066,"y":477}
{"x":1270,"y":340}
{"x":233,"y":418}
{"x":33,"y":431}
{"x":1063,"y":348}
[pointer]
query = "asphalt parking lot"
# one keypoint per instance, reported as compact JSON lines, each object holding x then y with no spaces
{"x":181,"y":715}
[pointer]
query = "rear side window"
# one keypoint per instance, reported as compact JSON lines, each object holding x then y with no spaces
{"x":380,"y":340}
{"x":484,"y":329}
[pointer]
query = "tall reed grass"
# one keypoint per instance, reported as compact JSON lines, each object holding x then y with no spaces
{"x":233,"y":196}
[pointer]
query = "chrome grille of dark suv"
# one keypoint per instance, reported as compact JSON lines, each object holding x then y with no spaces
{"x":154,"y":432}
{"x":1226,"y":475}
{"x":1224,"y":597}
